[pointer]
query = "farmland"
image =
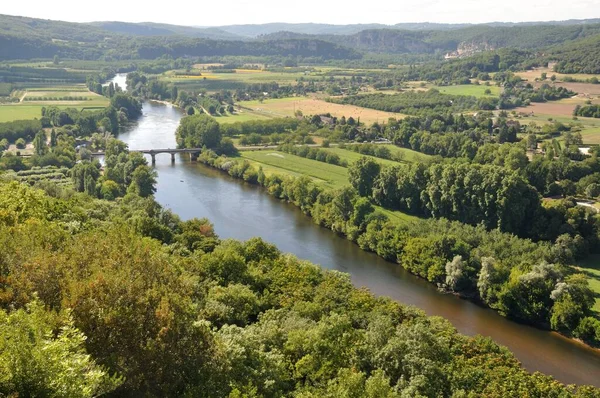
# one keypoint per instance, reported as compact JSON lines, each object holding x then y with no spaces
{"x":274,"y":162}
{"x":33,"y":99}
{"x":314,"y":106}
{"x":331,"y":175}
{"x":406,"y":155}
{"x":470,"y":89}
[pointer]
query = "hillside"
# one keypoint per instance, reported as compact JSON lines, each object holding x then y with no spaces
{"x":157,"y":29}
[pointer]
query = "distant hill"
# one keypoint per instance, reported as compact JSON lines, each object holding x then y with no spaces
{"x":256,"y":30}
{"x":157,"y":29}
{"x":465,"y":40}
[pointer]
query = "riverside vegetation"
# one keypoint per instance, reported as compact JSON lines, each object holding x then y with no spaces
{"x":125,"y":299}
{"x":104,"y":292}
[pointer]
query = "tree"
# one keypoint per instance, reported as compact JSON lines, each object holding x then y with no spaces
{"x":53,"y":141}
{"x":143,"y":181}
{"x":39,"y":143}
{"x":34,"y":361}
{"x":531,"y":142}
{"x":198,"y":131}
{"x":455,"y":271}
{"x":190,"y":110}
{"x":362,"y":175}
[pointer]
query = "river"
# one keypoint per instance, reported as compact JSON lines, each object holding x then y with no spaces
{"x":241,"y":211}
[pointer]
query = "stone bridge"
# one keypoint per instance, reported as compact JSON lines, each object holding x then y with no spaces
{"x":194,"y":152}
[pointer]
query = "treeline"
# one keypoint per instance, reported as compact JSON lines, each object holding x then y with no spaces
{"x":469,"y":260}
{"x":411,"y":102}
{"x":470,"y":193}
{"x":486,"y":194}
{"x":478,"y":66}
{"x":520,"y":94}
{"x":587,"y":111}
{"x":95,"y":307}
{"x":378,"y":151}
{"x":318,"y":154}
{"x":26,"y":129}
{"x":122,"y":108}
{"x":262,"y":127}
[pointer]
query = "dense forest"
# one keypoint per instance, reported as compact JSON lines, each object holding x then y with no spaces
{"x":91,"y":305}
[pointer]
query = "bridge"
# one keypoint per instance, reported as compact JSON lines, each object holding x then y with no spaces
{"x":194,"y":152}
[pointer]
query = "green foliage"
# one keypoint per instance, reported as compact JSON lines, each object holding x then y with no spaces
{"x":411,"y":102}
{"x":38,"y":360}
{"x":362,"y":175}
{"x":196,"y":317}
{"x":198,"y":131}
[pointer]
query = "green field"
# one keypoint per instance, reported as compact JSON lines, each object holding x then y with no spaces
{"x":408,"y":156}
{"x":244,"y":116}
{"x":8,"y":113}
{"x":274,"y":162}
{"x":591,"y":267}
{"x":469,"y":89}
{"x":588,"y":127}
{"x":331,"y":175}
{"x":33,"y":109}
{"x":215,"y":81}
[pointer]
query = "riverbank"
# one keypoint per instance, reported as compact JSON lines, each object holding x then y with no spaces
{"x":400,"y":252}
{"x":240,"y":211}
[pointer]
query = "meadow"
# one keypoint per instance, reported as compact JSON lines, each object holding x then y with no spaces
{"x":331,"y":175}
{"x":474,"y":90}
{"x":406,"y":155}
{"x":280,"y":163}
{"x":590,"y":266}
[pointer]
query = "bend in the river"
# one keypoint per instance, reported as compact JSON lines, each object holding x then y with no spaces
{"x":241,"y":211}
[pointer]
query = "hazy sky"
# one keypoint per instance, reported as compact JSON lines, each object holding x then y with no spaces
{"x":225,"y":12}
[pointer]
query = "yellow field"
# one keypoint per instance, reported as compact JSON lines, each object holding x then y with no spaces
{"x":531,"y":75}
{"x":313,"y":106}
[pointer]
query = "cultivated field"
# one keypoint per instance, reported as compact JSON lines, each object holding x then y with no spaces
{"x":313,"y":106}
{"x":274,"y":162}
{"x":334,"y":176}
{"x":585,"y":90}
{"x":470,"y":89}
{"x":33,"y":99}
{"x":407,"y":155}
{"x":536,"y":73}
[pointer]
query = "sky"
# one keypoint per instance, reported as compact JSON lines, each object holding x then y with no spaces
{"x":228,"y":12}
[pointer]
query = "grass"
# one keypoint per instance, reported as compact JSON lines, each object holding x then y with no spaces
{"x":274,"y":162}
{"x":469,"y":89}
{"x":8,"y":113}
{"x":244,"y":116}
{"x":408,"y":156}
{"x":590,"y":266}
{"x":588,"y":127}
{"x":331,"y":175}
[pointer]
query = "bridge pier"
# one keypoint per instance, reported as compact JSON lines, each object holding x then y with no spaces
{"x":172,"y":157}
{"x":153,"y":155}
